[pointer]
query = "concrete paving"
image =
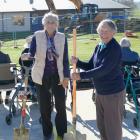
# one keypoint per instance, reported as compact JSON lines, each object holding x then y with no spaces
{"x":86,"y":119}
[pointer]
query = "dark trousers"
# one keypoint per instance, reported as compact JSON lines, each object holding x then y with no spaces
{"x":49,"y":87}
{"x":109,"y":111}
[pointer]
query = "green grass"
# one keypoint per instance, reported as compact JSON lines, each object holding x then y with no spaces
{"x":85,"y":46}
{"x":136,"y":12}
{"x":14,"y":53}
{"x":87,"y":43}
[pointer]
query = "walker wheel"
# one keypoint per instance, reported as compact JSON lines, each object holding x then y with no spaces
{"x":136,"y":123}
{"x":8,"y":119}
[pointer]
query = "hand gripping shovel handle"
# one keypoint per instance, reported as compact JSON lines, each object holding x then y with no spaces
{"x":74,"y":81}
{"x":73,"y":134}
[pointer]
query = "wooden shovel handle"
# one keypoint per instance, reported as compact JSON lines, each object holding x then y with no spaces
{"x":74,"y":81}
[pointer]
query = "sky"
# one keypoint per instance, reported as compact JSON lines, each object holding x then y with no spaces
{"x":137,"y":0}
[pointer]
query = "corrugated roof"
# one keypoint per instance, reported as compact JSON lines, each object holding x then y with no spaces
{"x":24,"y":5}
{"x":106,"y":4}
{"x":102,"y":4}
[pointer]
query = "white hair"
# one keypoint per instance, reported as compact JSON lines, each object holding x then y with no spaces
{"x":50,"y":17}
{"x":125,"y":42}
{"x":110,"y":23}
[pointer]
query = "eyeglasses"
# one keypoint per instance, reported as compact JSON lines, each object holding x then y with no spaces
{"x":50,"y":22}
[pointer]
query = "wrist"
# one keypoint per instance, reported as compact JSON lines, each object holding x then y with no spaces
{"x":66,"y":78}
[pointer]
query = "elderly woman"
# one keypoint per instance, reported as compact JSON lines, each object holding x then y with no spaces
{"x":50,"y":73}
{"x":127,"y":54}
{"x":28,"y":64}
{"x":129,"y":57}
{"x":104,"y":68}
{"x":26,"y":50}
{"x":4,"y":58}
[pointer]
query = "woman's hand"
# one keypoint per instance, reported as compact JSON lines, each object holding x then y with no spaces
{"x":74,"y":60}
{"x":75,"y":76}
{"x":65,"y":83}
{"x":25,"y":56}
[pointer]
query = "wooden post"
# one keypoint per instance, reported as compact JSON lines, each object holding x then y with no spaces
{"x":74,"y":81}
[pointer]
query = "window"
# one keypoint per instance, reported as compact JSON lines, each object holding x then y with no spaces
{"x":18,"y":20}
{"x":117,"y":13}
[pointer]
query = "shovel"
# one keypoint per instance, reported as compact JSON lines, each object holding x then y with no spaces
{"x":73,"y":134}
{"x":22,"y":133}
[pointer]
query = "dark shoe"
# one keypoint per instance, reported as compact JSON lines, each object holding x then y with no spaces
{"x":59,"y":138}
{"x":49,"y":137}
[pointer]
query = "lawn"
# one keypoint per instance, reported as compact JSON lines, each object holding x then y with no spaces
{"x":85,"y":46}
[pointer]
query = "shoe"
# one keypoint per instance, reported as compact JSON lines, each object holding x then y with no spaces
{"x":59,"y":138}
{"x":49,"y":137}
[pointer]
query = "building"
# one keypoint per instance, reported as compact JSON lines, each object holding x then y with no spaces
{"x":20,"y":15}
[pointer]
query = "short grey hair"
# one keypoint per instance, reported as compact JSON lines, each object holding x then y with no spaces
{"x":125,"y":42}
{"x":50,"y":17}
{"x":110,"y":23}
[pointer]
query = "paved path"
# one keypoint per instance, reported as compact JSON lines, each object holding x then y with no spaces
{"x":86,"y":120}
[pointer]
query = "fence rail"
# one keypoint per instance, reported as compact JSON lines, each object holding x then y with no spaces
{"x":19,"y":27}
